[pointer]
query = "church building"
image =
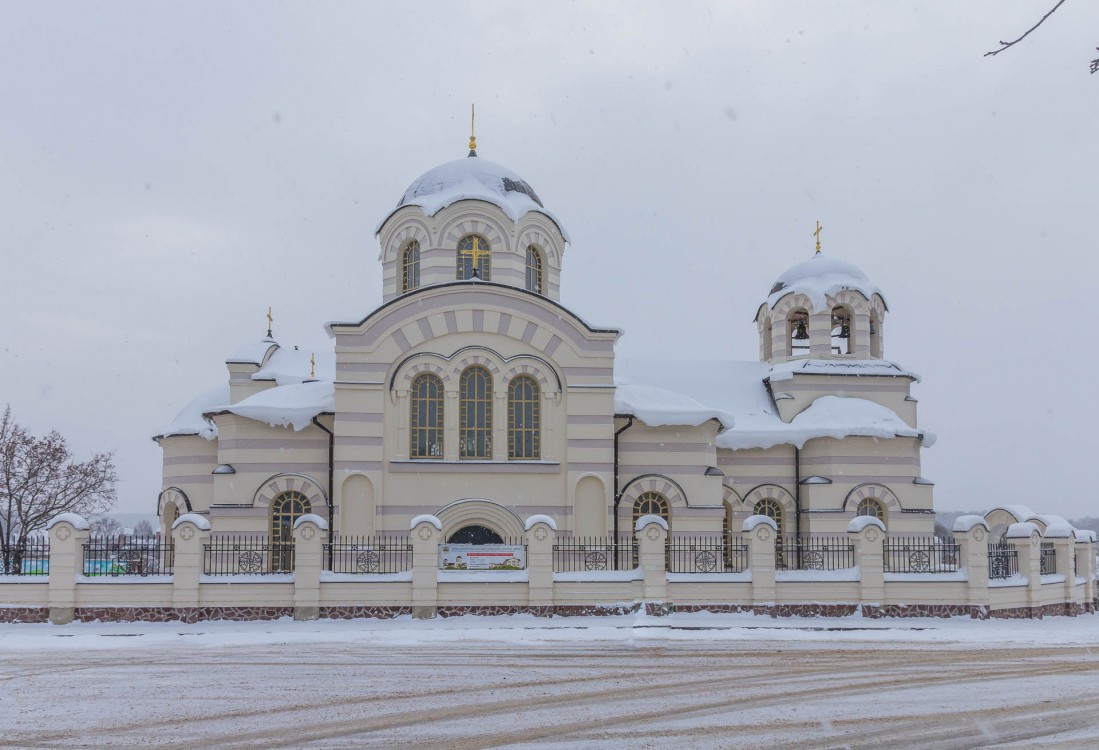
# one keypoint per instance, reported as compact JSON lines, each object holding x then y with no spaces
{"x":472,"y":394}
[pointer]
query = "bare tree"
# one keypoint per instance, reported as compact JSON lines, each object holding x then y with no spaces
{"x":144,"y":529}
{"x":1007,"y":45}
{"x":107,"y":527}
{"x":39,"y":479}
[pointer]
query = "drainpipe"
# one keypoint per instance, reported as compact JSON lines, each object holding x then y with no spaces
{"x":797,"y":502}
{"x":331,"y":497}
{"x":617,"y":493}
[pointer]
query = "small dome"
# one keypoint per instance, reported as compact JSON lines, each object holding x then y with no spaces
{"x":473,"y":178}
{"x":821,"y":277}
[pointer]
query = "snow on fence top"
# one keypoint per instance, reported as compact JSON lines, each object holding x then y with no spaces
{"x":861,"y":522}
{"x":75,"y":520}
{"x":202,"y":522}
{"x":539,"y":518}
{"x":312,"y":518}
{"x":821,"y":277}
{"x":426,"y":519}
{"x":473,"y":178}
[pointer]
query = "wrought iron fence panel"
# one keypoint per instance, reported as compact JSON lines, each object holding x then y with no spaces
{"x":30,"y":559}
{"x":1003,"y":560}
{"x":594,"y":553}
{"x":246,"y":555}
{"x":814,"y":552}
{"x":1048,"y":559}
{"x":369,"y":554}
{"x":914,"y":554}
{"x":706,"y":555}
{"x":128,"y":556}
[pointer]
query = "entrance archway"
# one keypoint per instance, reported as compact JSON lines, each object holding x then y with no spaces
{"x":475,"y":534}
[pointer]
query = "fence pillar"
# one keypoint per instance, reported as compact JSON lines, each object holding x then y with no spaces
{"x":309,"y":536}
{"x":867,"y":535}
{"x":541,"y":535}
{"x":652,"y":541}
{"x":1027,"y":541}
{"x":189,"y":534}
{"x":1064,"y":544}
{"x":760,"y":533}
{"x":1085,"y":564}
{"x":971,"y":535}
{"x":427,"y":535}
{"x":68,"y":533}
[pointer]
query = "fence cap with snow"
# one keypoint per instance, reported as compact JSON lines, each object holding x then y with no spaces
{"x":1084,"y":535}
{"x":75,"y":520}
{"x":202,"y":522}
{"x":539,"y":518}
{"x":1022,"y":530}
{"x":1059,"y":531}
{"x":861,"y":522}
{"x":650,"y":519}
{"x":964,"y":524}
{"x":312,"y":518}
{"x":426,"y":519}
{"x":751,"y":522}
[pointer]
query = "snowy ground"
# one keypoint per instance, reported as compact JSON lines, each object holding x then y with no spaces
{"x":671,"y":682}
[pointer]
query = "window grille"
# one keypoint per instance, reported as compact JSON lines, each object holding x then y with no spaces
{"x":524,"y":418}
{"x":426,"y":417}
{"x":475,"y":414}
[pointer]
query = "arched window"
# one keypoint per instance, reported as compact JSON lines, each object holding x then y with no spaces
{"x":524,"y":419}
{"x":534,"y":270}
{"x":426,"y":417}
{"x":842,"y":340}
{"x":770,"y":507}
{"x":650,"y":504}
{"x":410,"y":267}
{"x":875,"y":336}
{"x":474,"y":252}
{"x":475,"y":414}
{"x":871,"y":507}
{"x":797,"y":334}
{"x":287,"y":508}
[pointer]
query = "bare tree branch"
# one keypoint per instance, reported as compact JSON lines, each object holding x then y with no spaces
{"x":1095,"y":63}
{"x":1005,"y":45}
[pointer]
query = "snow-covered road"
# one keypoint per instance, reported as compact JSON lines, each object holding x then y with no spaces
{"x":679,"y":681}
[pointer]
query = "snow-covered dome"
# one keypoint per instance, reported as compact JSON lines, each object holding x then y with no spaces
{"x":472,"y":178}
{"x":821,"y":277}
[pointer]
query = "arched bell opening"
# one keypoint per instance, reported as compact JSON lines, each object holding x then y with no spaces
{"x":797,"y":327}
{"x":843,"y":340}
{"x":875,"y":335}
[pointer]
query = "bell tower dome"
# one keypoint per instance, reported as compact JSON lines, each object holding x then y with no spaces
{"x":822,"y":308}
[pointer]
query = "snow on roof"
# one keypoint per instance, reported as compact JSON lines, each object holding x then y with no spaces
{"x":657,"y":407}
{"x":190,"y":420}
{"x":472,"y":178}
{"x":858,"y":367}
{"x":294,"y":405}
{"x":252,"y":354}
{"x":289,"y":366}
{"x":821,"y":277}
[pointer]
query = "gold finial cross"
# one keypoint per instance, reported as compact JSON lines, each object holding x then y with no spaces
{"x":817,"y":234}
{"x":270,"y":320}
{"x":312,"y":365}
{"x":472,"y":137}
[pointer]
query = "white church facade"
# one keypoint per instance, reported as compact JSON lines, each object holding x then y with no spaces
{"x":474,"y":395}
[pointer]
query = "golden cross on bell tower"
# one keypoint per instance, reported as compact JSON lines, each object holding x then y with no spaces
{"x":270,"y":320}
{"x":312,"y":365}
{"x":472,"y":137}
{"x":817,"y":235}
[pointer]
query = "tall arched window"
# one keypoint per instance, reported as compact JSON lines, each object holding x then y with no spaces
{"x":871,"y":507}
{"x":842,"y":340}
{"x":475,"y":414}
{"x":770,"y":507}
{"x":650,"y":504}
{"x":410,"y":267}
{"x":534,"y":270}
{"x":287,"y":508}
{"x":426,"y":417}
{"x":524,"y":419}
{"x":474,"y":252}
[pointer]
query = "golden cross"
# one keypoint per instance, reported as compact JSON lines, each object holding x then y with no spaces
{"x":312,"y":366}
{"x":270,"y":320}
{"x":817,"y":234}
{"x":472,"y":137}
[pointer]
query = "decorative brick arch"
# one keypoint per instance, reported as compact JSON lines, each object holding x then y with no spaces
{"x":175,"y":496}
{"x":492,"y":364}
{"x":873,"y":490}
{"x":774,"y":492}
{"x":853,"y":301}
{"x":411,"y":228}
{"x":274,"y":486}
{"x":789,"y":303}
{"x":461,"y":219}
{"x":480,"y":512}
{"x":534,"y":235}
{"x":408,"y":372}
{"x":730,"y":498}
{"x":530,"y":368}
{"x":669,"y":488}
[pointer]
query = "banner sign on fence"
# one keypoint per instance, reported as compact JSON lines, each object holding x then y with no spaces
{"x":482,"y":557}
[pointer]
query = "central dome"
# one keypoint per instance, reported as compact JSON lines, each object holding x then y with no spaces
{"x":821,"y":277}
{"x":473,"y":178}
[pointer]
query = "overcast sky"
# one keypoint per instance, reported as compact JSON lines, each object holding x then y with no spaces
{"x":167,"y":171}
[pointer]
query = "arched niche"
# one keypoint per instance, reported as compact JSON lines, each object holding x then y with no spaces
{"x":590,"y":507}
{"x":480,"y":512}
{"x":357,"y":506}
